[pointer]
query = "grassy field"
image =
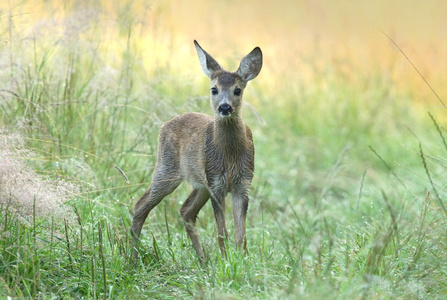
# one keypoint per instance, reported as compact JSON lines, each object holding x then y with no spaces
{"x":348,"y":198}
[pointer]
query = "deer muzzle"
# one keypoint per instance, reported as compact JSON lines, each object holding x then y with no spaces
{"x":225,"y":110}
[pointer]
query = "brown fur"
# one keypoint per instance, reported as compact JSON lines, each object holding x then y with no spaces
{"x":215,"y":155}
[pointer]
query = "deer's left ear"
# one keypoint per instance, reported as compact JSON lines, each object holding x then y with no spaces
{"x":209,"y":64}
{"x":251,"y":65}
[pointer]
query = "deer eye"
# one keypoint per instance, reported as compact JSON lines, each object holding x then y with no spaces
{"x":237,"y":92}
{"x":214,"y":91}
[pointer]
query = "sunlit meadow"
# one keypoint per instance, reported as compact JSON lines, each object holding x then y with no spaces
{"x":348,"y":117}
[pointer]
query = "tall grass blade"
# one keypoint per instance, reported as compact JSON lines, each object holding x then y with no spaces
{"x":424,"y":163}
{"x":415,"y":68}
{"x":438,"y":129}
{"x":123,"y":174}
{"x":394,"y":222}
{"x":387,"y":166}
{"x":67,"y":240}
{"x":360,"y":191}
{"x":101,"y":255}
{"x":167,"y":225}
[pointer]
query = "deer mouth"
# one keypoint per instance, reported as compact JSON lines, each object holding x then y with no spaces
{"x":225,"y":110}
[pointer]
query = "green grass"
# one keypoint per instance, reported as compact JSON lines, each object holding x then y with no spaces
{"x":347,"y":202}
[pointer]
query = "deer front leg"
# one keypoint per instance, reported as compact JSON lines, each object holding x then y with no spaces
{"x":240,"y":206}
{"x":219,"y":214}
{"x":189,"y":211}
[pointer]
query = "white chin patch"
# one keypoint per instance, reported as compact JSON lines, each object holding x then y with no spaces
{"x":224,"y":115}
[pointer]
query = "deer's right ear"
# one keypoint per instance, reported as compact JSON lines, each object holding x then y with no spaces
{"x":209,"y":64}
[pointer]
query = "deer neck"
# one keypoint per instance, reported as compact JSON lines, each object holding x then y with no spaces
{"x":230,"y":135}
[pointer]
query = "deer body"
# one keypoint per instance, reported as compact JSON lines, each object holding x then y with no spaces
{"x":215,"y":155}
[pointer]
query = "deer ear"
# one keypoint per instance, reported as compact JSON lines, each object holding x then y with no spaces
{"x":209,"y":64}
{"x":251,"y":65}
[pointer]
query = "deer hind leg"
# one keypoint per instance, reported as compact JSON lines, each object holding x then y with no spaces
{"x":189,"y":211}
{"x":219,"y":214}
{"x":162,"y":185}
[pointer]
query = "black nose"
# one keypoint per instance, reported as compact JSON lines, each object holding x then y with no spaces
{"x":225,"y":109}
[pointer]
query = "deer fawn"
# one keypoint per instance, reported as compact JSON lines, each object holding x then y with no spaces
{"x":215,"y":155}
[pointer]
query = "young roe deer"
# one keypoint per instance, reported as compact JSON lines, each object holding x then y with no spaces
{"x":215,"y":155}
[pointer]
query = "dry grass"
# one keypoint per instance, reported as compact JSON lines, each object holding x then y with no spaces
{"x":27,"y":192}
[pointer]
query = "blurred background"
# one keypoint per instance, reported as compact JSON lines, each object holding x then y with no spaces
{"x":297,"y":37}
